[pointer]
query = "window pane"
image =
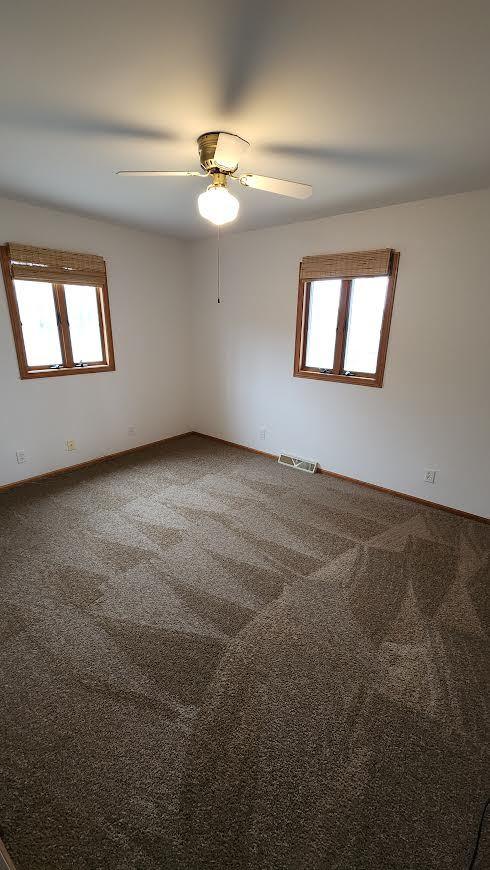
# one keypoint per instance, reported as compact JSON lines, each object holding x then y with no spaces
{"x":83,"y":317}
{"x":322,"y":323}
{"x":366,"y":308}
{"x":39,"y":326}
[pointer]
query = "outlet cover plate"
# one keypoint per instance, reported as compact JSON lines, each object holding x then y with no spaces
{"x":429,"y":475}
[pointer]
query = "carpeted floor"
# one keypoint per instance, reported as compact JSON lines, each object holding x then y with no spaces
{"x":211,"y":661}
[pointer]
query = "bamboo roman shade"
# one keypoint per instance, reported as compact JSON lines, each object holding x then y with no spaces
{"x":56,"y":267}
{"x":357,"y":264}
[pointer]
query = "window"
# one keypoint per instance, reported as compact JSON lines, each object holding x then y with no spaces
{"x":344,"y":312}
{"x":59,"y":307}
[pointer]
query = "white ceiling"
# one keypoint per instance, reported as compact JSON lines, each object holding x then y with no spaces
{"x":370,"y":102}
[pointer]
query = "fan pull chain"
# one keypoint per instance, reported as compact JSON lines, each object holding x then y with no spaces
{"x":219,"y":270}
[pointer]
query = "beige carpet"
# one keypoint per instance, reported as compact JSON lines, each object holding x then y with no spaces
{"x":211,"y":661}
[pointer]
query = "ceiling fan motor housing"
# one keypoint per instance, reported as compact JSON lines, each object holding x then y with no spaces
{"x":207,"y":143}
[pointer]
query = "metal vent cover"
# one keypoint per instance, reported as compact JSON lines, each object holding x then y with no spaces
{"x":307,"y":465}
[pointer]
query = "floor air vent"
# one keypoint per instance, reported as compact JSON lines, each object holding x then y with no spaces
{"x":295,"y":462}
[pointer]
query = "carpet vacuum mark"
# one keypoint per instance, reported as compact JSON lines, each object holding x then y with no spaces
{"x":208,"y":660}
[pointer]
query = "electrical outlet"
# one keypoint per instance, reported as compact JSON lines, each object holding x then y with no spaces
{"x":21,"y":456}
{"x":70,"y":445}
{"x":131,"y":430}
{"x":262,"y":433}
{"x":429,"y":476}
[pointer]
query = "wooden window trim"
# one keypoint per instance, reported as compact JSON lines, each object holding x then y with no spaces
{"x":68,"y":368}
{"x":301,"y":370}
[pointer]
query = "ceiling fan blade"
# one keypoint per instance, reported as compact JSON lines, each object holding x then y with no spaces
{"x":171,"y":173}
{"x":364,"y":157}
{"x":277,"y":185}
{"x":31,"y":116}
{"x":250,"y":39}
{"x":229,"y":149}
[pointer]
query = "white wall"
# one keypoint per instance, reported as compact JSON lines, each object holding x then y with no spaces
{"x":434,"y":408}
{"x":432,"y":412}
{"x":149,"y":315}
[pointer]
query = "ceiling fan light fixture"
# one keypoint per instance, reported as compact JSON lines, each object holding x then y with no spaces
{"x":218,"y":205}
{"x":219,"y":156}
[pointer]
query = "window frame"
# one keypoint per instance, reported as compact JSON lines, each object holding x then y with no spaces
{"x":68,"y":367}
{"x":301,"y":370}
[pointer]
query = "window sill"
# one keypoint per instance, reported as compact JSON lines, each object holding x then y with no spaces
{"x":53,"y":373}
{"x":341,"y":379}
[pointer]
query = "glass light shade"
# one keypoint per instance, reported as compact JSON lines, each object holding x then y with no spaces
{"x":218,"y":205}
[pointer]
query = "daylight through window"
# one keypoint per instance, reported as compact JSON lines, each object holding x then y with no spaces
{"x":61,"y":325}
{"x":344,"y":311}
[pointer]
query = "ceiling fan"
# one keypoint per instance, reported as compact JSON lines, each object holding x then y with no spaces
{"x":219,"y":155}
